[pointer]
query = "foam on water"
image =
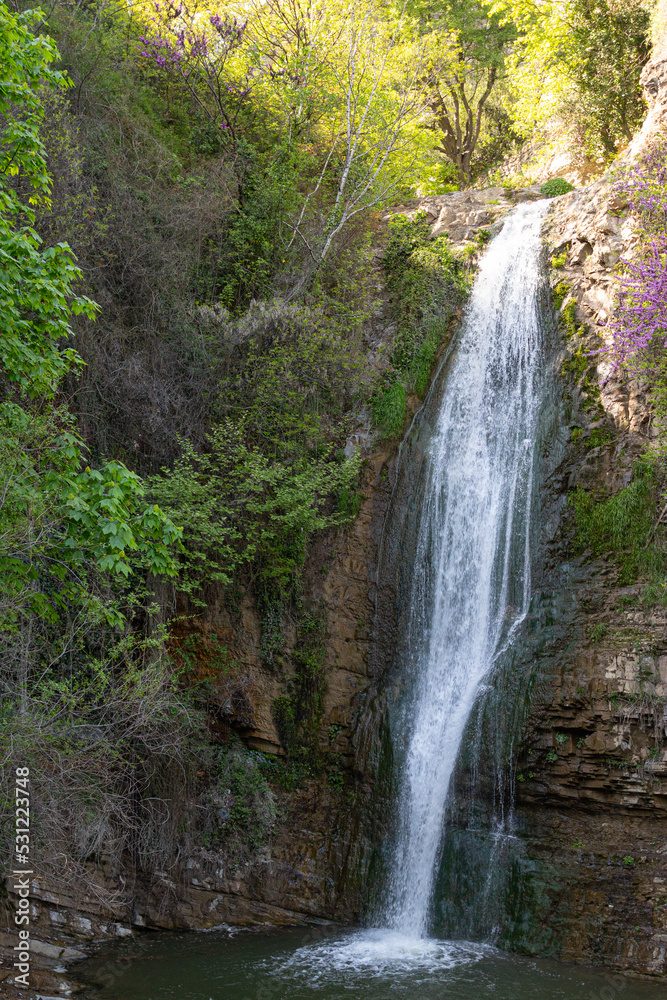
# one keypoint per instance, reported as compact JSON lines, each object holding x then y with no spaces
{"x":377,"y":953}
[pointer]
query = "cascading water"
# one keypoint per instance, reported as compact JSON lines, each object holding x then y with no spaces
{"x":453,"y":588}
{"x":470,"y":584}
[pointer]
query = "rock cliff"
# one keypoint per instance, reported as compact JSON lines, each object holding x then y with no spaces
{"x":592,"y":768}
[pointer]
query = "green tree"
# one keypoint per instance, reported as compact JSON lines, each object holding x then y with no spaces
{"x":56,"y":517}
{"x":577,"y":62}
{"x":466,"y":50}
{"x":610,"y":44}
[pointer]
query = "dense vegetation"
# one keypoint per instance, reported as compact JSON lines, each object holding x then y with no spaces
{"x":189,"y":214}
{"x":628,"y":526}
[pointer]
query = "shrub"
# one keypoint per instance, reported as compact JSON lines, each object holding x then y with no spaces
{"x":598,"y":631}
{"x":113,"y":756}
{"x":244,"y":800}
{"x":555,"y":187}
{"x":623,"y":525}
{"x":388,"y":409}
{"x":427,"y":281}
{"x":242,"y":508}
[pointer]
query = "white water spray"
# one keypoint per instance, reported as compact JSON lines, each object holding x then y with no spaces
{"x":471,"y":579}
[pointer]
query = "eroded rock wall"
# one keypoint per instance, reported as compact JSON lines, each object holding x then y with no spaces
{"x":592,"y":767}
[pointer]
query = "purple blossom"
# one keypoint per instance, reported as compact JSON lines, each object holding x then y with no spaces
{"x":641,"y":317}
{"x":644,"y":188}
{"x":640,"y":320}
{"x":179,"y":43}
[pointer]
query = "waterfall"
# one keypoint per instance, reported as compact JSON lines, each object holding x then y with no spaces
{"x":470,"y":582}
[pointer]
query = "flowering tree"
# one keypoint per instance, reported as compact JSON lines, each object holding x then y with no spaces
{"x":641,"y":318}
{"x":643,"y":188}
{"x":197,"y":46}
{"x":639,"y":327}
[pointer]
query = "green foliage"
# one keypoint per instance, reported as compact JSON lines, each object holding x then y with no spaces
{"x":598,"y":631}
{"x":298,"y":713}
{"x":348,"y":502}
{"x":567,"y":315}
{"x":283,"y":711}
{"x":418,"y":268}
{"x":272,"y":471}
{"x":243,"y":508}
{"x":610,"y":42}
{"x":467,"y":46}
{"x":578,"y":363}
{"x":56,"y":520}
{"x":552,"y":756}
{"x":241,"y":799}
{"x":599,"y":438}
{"x":556,"y":186}
{"x":36,"y":297}
{"x":86,"y":704}
{"x":427,"y":282}
{"x":388,"y":409}
{"x":560,"y":293}
{"x":60,"y":527}
{"x":654,"y":594}
{"x":624,"y":526}
{"x":576,"y":65}
{"x":336,"y":779}
{"x":241,"y":263}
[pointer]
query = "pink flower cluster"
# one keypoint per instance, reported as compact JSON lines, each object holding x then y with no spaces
{"x":641,"y":316}
{"x":183,"y":43}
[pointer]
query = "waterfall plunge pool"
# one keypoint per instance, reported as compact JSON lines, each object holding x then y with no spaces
{"x":323,"y":964}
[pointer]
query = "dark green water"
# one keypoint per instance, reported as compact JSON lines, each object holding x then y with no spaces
{"x":316,"y":965}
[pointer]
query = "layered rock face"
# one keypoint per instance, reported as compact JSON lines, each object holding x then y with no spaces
{"x":592,"y":768}
{"x":592,"y":789}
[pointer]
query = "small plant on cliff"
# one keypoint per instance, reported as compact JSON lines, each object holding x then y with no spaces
{"x":388,"y":408}
{"x":427,"y":281}
{"x":598,"y":631}
{"x":252,"y":808}
{"x":298,"y":712}
{"x":555,"y":187}
{"x":623,"y":525}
